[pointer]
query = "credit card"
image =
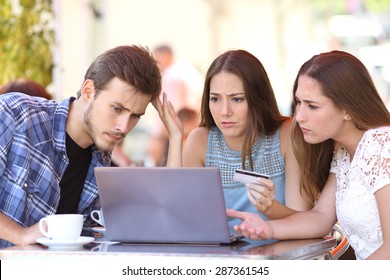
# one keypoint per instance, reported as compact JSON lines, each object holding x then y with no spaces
{"x":245,"y":176}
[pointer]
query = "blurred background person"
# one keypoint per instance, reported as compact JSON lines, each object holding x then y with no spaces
{"x":181,"y":81}
{"x":157,"y":151}
{"x":26,"y":86}
{"x":119,"y":158}
{"x":183,"y":84}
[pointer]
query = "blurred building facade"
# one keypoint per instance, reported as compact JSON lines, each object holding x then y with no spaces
{"x":278,"y":32}
{"x":281,"y":33}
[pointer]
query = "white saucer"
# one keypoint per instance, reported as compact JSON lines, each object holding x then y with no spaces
{"x":101,"y":230}
{"x":65,"y":244}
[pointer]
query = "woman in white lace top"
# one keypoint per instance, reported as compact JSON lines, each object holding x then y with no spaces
{"x":341,"y":122}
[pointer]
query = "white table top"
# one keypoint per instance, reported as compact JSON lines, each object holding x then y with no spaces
{"x":319,"y":248}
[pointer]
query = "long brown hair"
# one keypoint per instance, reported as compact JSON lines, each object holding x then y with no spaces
{"x":346,"y":81}
{"x":264,"y":116}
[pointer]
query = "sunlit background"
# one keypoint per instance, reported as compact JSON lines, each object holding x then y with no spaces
{"x":281,"y":33}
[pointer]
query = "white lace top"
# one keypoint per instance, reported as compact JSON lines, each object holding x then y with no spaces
{"x":357,"y":182}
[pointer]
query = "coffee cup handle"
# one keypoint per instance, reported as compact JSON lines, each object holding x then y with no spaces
{"x":43,"y":225}
{"x":95,"y":215}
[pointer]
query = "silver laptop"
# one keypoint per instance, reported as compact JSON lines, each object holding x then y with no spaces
{"x":163,"y":205}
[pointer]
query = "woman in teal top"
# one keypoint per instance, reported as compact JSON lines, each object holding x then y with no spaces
{"x":242,"y":128}
{"x":267,"y":159}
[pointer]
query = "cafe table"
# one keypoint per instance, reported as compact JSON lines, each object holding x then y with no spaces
{"x":304,"y":249}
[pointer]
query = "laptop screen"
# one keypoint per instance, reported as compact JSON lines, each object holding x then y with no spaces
{"x":163,"y":204}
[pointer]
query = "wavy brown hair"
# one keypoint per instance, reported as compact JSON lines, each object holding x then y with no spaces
{"x":346,"y":81}
{"x":264,"y":116}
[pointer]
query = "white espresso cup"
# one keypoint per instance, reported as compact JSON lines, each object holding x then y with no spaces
{"x":97,"y":216}
{"x":62,"y":226}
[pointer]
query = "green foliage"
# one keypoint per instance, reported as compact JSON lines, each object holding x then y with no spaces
{"x":26,"y":38}
{"x":339,"y":6}
{"x":378,"y":5}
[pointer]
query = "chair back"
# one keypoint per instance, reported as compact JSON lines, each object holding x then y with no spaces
{"x":342,"y":242}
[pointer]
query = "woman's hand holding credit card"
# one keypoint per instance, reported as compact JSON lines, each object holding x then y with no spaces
{"x":245,"y":176}
{"x":260,"y":189}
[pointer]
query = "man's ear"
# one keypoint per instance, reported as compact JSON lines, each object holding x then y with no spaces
{"x":87,"y":90}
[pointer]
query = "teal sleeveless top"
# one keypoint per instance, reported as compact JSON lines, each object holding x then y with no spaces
{"x":267,"y":159}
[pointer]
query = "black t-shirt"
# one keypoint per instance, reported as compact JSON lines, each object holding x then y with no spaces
{"x":72,"y":183}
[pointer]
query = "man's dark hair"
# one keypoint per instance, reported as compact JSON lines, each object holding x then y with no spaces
{"x":132,"y":64}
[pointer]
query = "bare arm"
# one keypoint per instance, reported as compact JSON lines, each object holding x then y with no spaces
{"x":195,"y":147}
{"x":316,"y":222}
{"x":175,"y":130}
{"x":382,"y":198}
{"x":17,"y":234}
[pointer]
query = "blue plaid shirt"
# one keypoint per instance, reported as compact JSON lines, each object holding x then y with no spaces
{"x":33,"y":159}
